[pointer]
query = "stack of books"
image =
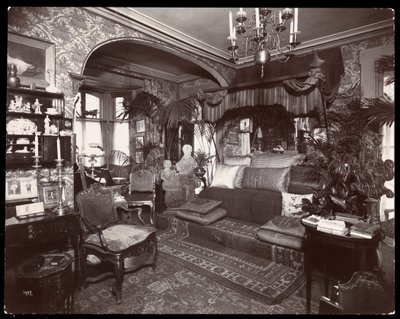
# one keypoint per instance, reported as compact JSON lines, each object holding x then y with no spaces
{"x":348,"y":218}
{"x":364,"y":230}
{"x":312,"y":220}
{"x":335,"y":227}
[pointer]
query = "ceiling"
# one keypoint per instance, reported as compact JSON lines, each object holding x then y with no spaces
{"x":204,"y":31}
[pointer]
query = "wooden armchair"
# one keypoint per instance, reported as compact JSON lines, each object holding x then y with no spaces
{"x":142,"y":192}
{"x":362,"y":294}
{"x":127,"y":247}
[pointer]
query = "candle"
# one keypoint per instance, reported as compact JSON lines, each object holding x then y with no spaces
{"x":36,"y":145}
{"x":280,"y":16}
{"x":296,"y":19}
{"x":58,"y":149}
{"x":291,"y":31}
{"x":230,"y":24}
{"x":259,"y":133}
{"x":257,"y":18}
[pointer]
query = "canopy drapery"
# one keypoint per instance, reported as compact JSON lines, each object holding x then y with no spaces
{"x":317,"y":89}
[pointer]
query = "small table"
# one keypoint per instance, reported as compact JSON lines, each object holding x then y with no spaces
{"x":318,"y":243}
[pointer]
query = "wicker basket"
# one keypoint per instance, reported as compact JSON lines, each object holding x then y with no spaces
{"x":46,"y":289}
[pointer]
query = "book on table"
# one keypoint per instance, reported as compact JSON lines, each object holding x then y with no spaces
{"x":312,"y":220}
{"x":333,"y":224}
{"x":342,"y":232}
{"x":364,"y":230}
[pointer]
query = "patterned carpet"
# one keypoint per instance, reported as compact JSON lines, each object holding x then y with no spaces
{"x":195,"y":276}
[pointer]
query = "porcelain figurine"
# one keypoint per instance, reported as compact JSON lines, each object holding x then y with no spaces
{"x":47,"y":125}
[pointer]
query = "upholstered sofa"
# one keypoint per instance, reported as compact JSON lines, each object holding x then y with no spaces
{"x":258,"y":211}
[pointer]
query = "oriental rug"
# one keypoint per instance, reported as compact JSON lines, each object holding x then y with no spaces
{"x":258,"y":278}
{"x":174,"y":289}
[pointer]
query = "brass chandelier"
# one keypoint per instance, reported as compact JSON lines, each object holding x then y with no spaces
{"x":263,"y":38}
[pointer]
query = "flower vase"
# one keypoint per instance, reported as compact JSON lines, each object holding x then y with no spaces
{"x":12,"y":79}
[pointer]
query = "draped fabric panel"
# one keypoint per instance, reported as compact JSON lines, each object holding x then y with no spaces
{"x":297,"y":104}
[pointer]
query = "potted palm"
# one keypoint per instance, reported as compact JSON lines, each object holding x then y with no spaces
{"x":202,"y":160}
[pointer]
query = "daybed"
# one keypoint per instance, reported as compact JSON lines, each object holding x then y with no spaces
{"x":256,"y":207}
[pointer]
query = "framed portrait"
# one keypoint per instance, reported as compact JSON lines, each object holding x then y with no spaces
{"x":49,"y":194}
{"x":140,"y":126}
{"x":139,"y":142}
{"x":139,"y":157}
{"x":21,"y":187}
{"x":33,"y":58}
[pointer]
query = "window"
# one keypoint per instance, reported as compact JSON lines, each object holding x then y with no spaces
{"x":98,"y":128}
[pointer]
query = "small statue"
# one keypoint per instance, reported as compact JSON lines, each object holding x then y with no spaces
{"x":47,"y":125}
{"x":27,"y":107}
{"x":12,"y":106}
{"x":18,"y":103}
{"x":185,"y":169}
{"x":36,"y":107}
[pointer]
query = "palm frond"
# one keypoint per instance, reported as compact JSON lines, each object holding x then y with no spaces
{"x":177,"y":111}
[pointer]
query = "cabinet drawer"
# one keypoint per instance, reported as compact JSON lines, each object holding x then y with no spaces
{"x":29,"y":234}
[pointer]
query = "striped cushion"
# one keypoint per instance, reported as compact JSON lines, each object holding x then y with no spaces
{"x":239,"y":177}
{"x":237,"y":160}
{"x":275,"y":179}
{"x":272,"y":160}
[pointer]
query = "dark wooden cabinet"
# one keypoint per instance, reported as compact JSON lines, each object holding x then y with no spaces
{"x":23,"y":120}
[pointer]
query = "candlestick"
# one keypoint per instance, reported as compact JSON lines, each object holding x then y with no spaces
{"x":230,"y":24}
{"x":257,"y":18}
{"x":291,"y":31}
{"x":280,"y":16}
{"x":58,"y":149}
{"x":60,"y":209}
{"x":36,"y":145}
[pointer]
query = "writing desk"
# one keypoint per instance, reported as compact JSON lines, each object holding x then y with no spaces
{"x":319,"y":244}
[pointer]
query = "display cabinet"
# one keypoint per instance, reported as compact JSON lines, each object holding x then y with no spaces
{"x":31,"y":112}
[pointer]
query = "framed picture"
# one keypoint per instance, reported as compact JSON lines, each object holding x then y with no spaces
{"x":49,"y":194}
{"x":245,"y":125}
{"x":139,"y":142}
{"x":139,"y":157}
{"x":21,"y":187}
{"x":33,"y":58}
{"x":140,"y":126}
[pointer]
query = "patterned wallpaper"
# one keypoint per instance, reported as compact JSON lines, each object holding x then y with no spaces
{"x":75,"y":32}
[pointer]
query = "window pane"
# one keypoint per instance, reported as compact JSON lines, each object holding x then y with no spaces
{"x":118,"y":106}
{"x":121,"y":137}
{"x":88,"y":134}
{"x":92,"y":106}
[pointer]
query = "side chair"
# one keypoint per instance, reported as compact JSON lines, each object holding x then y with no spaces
{"x":127,"y":247}
{"x":142,"y":192}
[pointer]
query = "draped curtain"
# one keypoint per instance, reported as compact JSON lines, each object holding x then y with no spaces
{"x":318,"y":89}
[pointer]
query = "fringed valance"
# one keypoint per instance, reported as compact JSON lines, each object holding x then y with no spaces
{"x":321,"y":80}
{"x":297,"y":104}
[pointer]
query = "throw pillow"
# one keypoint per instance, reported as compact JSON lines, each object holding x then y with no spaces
{"x":237,"y":160}
{"x":292,"y":203}
{"x":272,"y":160}
{"x":275,"y":179}
{"x":239,"y":177}
{"x":225,"y":176}
{"x":200,"y":205}
{"x":206,"y":219}
{"x":285,"y":225}
{"x":301,"y":181}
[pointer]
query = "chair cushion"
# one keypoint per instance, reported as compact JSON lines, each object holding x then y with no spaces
{"x":200,"y":205}
{"x":205,"y":219}
{"x":139,"y":196}
{"x":120,"y":237}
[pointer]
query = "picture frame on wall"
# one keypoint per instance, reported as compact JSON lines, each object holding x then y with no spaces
{"x":21,"y":188}
{"x":139,"y":157}
{"x":140,"y":126}
{"x":34,"y":58}
{"x":139,"y":142}
{"x":49,"y":194}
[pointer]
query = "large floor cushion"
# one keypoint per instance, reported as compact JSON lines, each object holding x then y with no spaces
{"x":284,"y":231}
{"x":249,"y":205}
{"x":202,"y":219}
